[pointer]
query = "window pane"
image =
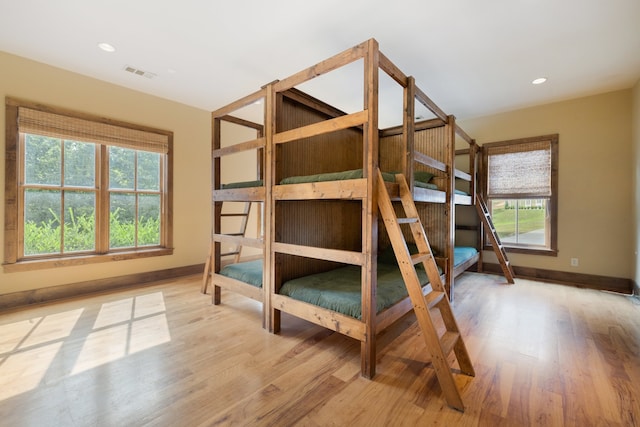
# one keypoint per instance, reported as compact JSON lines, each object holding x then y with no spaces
{"x":149,"y":220}
{"x":503,"y":214}
{"x":79,"y":221}
{"x":148,"y":171}
{"x":122,"y":226}
{"x":79,"y":164}
{"x":520,"y":222}
{"x":43,"y":159}
{"x":122,"y":164}
{"x":531,"y":221}
{"x":42,"y":222}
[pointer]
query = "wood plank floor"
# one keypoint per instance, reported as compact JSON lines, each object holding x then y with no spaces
{"x":162,"y":355}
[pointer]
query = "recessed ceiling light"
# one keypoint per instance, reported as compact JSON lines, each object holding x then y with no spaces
{"x":539,"y":81}
{"x":106,"y":47}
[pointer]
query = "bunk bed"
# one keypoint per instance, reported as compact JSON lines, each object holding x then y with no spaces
{"x":325,"y":255}
{"x":228,"y":139}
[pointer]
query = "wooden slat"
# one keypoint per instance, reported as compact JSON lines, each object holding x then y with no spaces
{"x":428,"y":195}
{"x":392,"y":70}
{"x":249,"y":194}
{"x":343,"y":58}
{"x":351,"y":189}
{"x":238,"y":287}
{"x":242,"y":102}
{"x":237,"y":240}
{"x":462,"y":175}
{"x":419,"y":125}
{"x":243,"y":122}
{"x":320,"y":316}
{"x":464,"y":135}
{"x":331,"y":125}
{"x":346,"y":257}
{"x":237,"y":148}
{"x":429,"y":161}
{"x":427,"y":102}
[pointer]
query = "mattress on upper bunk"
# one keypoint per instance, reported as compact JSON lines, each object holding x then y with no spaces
{"x":243,"y":184}
{"x":333,"y":176}
{"x":462,"y":254}
{"x":340,"y":289}
{"x":248,"y":272}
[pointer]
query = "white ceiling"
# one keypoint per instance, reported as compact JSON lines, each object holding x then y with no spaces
{"x":472,"y":57}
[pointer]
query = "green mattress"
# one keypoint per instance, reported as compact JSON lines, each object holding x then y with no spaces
{"x":249,"y":272}
{"x":339,"y":289}
{"x":333,"y":176}
{"x":243,"y":184}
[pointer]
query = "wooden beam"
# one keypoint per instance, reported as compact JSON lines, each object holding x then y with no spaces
{"x":242,"y":102}
{"x":351,"y":189}
{"x":237,"y":148}
{"x":430,"y":161}
{"x":346,"y":57}
{"x":335,"y":255}
{"x":331,"y":125}
{"x":427,"y":102}
{"x":393,"y":71}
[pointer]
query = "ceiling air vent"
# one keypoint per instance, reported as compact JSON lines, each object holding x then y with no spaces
{"x":139,"y":72}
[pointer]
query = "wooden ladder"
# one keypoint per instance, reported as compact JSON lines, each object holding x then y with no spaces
{"x":498,"y":248}
{"x":439,"y":346}
{"x":244,"y":219}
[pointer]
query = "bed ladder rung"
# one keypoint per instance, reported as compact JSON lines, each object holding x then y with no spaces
{"x":433,"y":298}
{"x":420,"y":257}
{"x":407,"y":220}
{"x":498,"y":248}
{"x":242,"y":229}
{"x":439,"y":347}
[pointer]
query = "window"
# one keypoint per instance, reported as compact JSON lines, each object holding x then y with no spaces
{"x":521,"y":188}
{"x":83,"y":189}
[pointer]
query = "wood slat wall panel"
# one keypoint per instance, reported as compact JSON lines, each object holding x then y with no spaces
{"x":341,"y":150}
{"x":332,"y":224}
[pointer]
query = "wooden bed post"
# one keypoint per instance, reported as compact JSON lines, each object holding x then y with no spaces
{"x":370,"y":209}
{"x":271,"y":315}
{"x":214,"y":263}
{"x":450,"y":211}
{"x":409,"y":129}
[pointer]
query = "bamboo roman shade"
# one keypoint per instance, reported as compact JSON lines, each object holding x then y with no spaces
{"x":79,"y":129}
{"x":521,"y":170}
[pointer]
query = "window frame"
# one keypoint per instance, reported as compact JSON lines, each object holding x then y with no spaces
{"x":552,"y":201}
{"x":14,"y":203}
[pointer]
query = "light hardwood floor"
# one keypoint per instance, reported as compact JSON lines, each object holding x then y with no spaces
{"x":163,"y":355}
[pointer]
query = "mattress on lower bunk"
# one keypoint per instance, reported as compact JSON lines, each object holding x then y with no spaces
{"x":340,"y":289}
{"x":462,"y":254}
{"x":249,"y":272}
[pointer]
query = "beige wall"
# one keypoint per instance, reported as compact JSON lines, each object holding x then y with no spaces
{"x":596,"y":214}
{"x":635,"y":159}
{"x":595,"y":219}
{"x":34,"y":81}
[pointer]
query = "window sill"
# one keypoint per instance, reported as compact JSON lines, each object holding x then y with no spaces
{"x":40,"y":264}
{"x":528,"y":251}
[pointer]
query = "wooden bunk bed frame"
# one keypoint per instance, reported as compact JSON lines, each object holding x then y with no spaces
{"x":220,"y":195}
{"x":313,"y":227}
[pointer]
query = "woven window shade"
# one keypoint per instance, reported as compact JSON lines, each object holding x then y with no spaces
{"x":519,"y":170}
{"x":77,"y":129}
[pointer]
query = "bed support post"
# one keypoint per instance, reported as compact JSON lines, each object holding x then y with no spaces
{"x":370,"y":210}
{"x":271,"y":315}
{"x":450,"y":212}
{"x":409,"y":129}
